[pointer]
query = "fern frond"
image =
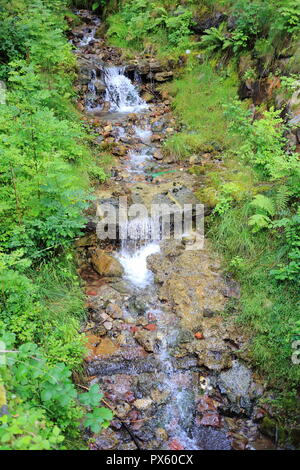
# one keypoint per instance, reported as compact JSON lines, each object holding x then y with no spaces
{"x":281,"y":198}
{"x":264,"y":203}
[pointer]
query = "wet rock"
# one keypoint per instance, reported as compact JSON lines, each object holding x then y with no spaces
{"x":146,"y":339}
{"x":143,"y":403}
{"x":107,"y":440}
{"x":237,"y":380}
{"x":210,"y":419}
{"x":161,"y":434}
{"x":159,"y":396}
{"x":209,"y":438}
{"x":106,"y":265}
{"x":114,"y":310}
{"x":206,"y":403}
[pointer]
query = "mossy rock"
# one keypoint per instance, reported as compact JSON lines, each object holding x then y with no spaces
{"x":272,"y":429}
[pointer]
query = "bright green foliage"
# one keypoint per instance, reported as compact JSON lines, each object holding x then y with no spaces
{"x":43,"y":155}
{"x":291,"y":270}
{"x":48,"y":387}
{"x":198,"y":98}
{"x":259,"y":25}
{"x":264,"y":142}
{"x":138,"y":20}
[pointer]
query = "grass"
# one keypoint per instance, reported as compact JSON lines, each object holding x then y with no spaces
{"x":62,"y":312}
{"x":268,"y":310}
{"x":198,"y":98}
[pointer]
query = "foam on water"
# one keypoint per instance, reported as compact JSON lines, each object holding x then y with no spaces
{"x":121,"y":93}
{"x":143,"y":134}
{"x":135,"y":265}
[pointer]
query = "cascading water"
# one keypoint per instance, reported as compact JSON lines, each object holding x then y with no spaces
{"x":121,"y":93}
{"x":89,"y":34}
{"x":142,"y":240}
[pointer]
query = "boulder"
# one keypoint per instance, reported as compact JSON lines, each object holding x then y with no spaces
{"x":163,"y":76}
{"x":106,"y":265}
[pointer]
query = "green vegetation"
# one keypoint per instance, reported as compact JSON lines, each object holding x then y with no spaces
{"x":140,"y":25}
{"x":198,"y":96}
{"x":249,"y":173}
{"x":44,"y":153}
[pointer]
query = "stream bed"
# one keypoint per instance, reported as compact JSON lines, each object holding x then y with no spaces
{"x":166,"y":358}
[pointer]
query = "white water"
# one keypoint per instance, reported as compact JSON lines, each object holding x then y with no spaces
{"x":135,"y":265}
{"x":121,"y":93}
{"x":143,"y":134}
{"x":90,"y":35}
{"x":142,"y":240}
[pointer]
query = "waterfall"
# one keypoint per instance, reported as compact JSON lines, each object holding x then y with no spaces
{"x":89,"y":33}
{"x":121,"y":93}
{"x":142,"y":236}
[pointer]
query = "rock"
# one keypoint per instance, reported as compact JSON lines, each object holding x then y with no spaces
{"x":151,"y":327}
{"x":157,"y":155}
{"x":146,"y":339}
{"x":106,"y":265}
{"x":237,"y":380}
{"x":108,"y":325}
{"x":206,"y":403}
{"x":106,"y":106}
{"x":143,"y":403}
{"x":199,"y":335}
{"x":148,"y":97}
{"x":210,"y":419}
{"x":200,"y":24}
{"x":122,"y":410}
{"x":106,"y":440}
{"x":268,"y":427}
{"x":161,"y":434}
{"x":239,"y":444}
{"x":163,"y":76}
{"x":176,"y":445}
{"x":158,"y":396}
{"x":194,"y":159}
{"x":114,"y":311}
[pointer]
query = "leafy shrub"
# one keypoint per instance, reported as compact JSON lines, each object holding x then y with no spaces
{"x":47,"y":387}
{"x":137,"y":20}
{"x":291,"y":270}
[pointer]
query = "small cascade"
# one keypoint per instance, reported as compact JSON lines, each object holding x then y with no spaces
{"x":121,"y":93}
{"x":143,"y":134}
{"x":89,"y":33}
{"x":141,"y":239}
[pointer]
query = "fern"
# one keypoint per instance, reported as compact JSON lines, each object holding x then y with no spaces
{"x":281,"y":198}
{"x":259,"y":221}
{"x":264,"y":204}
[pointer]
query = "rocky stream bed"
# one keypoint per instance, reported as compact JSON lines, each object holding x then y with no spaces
{"x":169,"y":360}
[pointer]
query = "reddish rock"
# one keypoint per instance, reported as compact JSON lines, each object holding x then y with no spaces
{"x":91,"y":292}
{"x":206,"y":403}
{"x":211,"y":419}
{"x":175,"y":445}
{"x":199,"y":335}
{"x":151,"y":327}
{"x":134,"y":329}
